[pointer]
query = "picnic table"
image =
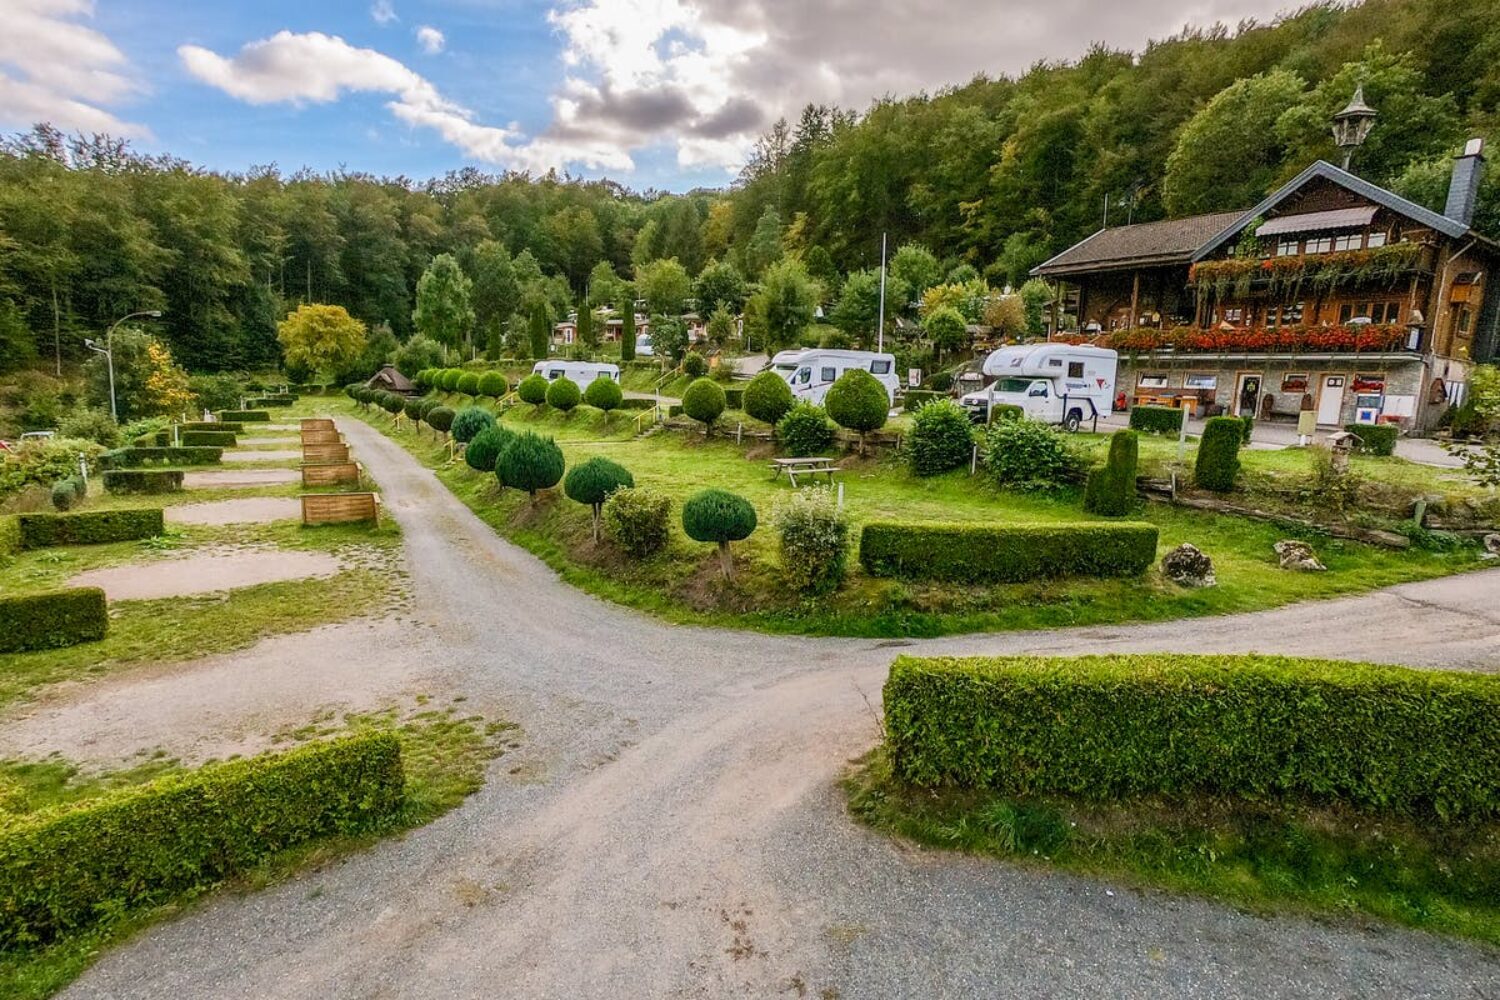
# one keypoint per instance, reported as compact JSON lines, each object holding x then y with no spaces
{"x":794,"y":467}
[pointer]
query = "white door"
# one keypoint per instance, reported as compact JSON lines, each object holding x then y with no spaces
{"x":1331,"y":399}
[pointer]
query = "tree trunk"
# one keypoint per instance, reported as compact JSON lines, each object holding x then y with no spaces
{"x":598,"y":508}
{"x":726,"y":560}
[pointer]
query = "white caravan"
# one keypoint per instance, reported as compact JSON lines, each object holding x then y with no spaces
{"x":1055,"y":383}
{"x":816,"y":371}
{"x":581,"y":372}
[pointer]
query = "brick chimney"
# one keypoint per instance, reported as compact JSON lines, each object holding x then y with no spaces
{"x":1463,"y":189}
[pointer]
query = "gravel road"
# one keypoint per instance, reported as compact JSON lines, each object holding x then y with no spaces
{"x":672,"y":827}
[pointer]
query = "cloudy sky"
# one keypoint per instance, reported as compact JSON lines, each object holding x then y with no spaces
{"x":663,"y":93}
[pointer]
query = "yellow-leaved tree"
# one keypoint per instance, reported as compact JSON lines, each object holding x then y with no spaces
{"x":324,"y":339}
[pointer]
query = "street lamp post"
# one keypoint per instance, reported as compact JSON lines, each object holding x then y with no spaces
{"x":1352,"y":125}
{"x":108,"y":350}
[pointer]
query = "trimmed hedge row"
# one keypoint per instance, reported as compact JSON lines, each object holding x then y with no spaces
{"x":63,"y":868}
{"x":1005,"y":553}
{"x":208,"y":439}
{"x":212,"y":425}
{"x":1156,"y":419}
{"x":270,"y":401}
{"x":90,"y":527}
{"x":1376,"y":737}
{"x":244,"y":416}
{"x":915,"y":399}
{"x":51,"y":621}
{"x":1377,"y":439}
{"x":132,"y":458}
{"x":143,"y":480}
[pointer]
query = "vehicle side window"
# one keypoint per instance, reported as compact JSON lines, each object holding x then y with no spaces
{"x":553,"y":374}
{"x":828,"y":375}
{"x":803,"y":376}
{"x":880,"y":367}
{"x":1038,"y":389}
{"x":1054,"y":362}
{"x":1075,"y":369}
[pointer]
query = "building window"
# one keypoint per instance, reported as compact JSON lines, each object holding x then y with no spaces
{"x":1153,"y":382}
{"x":1465,"y":322}
{"x":1287,"y":315}
{"x":1200,"y":380}
{"x":1376,"y":238}
{"x":1375,"y":312}
{"x":1294,"y":382}
{"x":1322,"y":244}
{"x":1075,"y":369}
{"x":1349,"y":241}
{"x":1286,"y":248}
{"x":1234,"y":315}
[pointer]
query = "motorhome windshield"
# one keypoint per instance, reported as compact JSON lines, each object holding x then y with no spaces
{"x":1016,"y":385}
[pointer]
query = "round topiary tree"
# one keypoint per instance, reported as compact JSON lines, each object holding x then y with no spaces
{"x":470,"y":421}
{"x":352,"y":391}
{"x":493,"y":384}
{"x":486,"y":446}
{"x":941,"y":438}
{"x":440,"y":418}
{"x":426,"y":405}
{"x":592,"y":482}
{"x":721,"y":517}
{"x":804,"y":430}
{"x":704,"y":401}
{"x":768,"y":397}
{"x":392,"y":403}
{"x":693,"y":365}
{"x":468,"y":383}
{"x":449,"y":379}
{"x":1218,"y":461}
{"x":604,"y":393}
{"x":533,"y":390}
{"x":413,"y":409}
{"x":563,"y":394}
{"x":530,"y":463}
{"x":858,"y":402}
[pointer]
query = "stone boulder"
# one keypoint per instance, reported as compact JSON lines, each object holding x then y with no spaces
{"x":1188,"y":566}
{"x":1492,"y":546}
{"x":1298,"y":556}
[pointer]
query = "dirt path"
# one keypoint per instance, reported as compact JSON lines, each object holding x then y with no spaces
{"x":672,"y":826}
{"x":206,"y":572}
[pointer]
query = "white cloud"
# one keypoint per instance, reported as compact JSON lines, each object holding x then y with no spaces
{"x":317,"y":68}
{"x":55,"y":68}
{"x":384,"y":12}
{"x":431,"y":39}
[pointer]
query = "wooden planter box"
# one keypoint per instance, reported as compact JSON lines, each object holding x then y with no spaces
{"x":329,"y":473}
{"x":321,"y":437}
{"x":339,"y":508}
{"x":317,"y":424}
{"x":332,"y":452}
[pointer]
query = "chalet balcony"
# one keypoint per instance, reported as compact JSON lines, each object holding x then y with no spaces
{"x":1299,"y":275}
{"x":1365,"y":338}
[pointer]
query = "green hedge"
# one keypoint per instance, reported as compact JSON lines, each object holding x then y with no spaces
{"x":1218,"y":462}
{"x":1377,"y":439}
{"x":142,"y":480}
{"x":212,"y":425}
{"x":244,"y":416}
{"x":1166,"y":724}
{"x":1156,"y":419}
{"x":10,"y":535}
{"x":89,"y":527}
{"x":51,"y":621}
{"x":917,"y":398}
{"x":132,"y":458}
{"x":1005,"y":553}
{"x":265,"y":401}
{"x":208,"y":439}
{"x":64,"y":868}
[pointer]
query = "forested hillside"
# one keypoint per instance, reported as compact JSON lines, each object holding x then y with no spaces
{"x":997,"y":174}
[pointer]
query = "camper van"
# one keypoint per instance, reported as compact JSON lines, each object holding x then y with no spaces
{"x":1056,"y":383}
{"x":643,"y":348}
{"x":785,"y":363}
{"x":816,"y":370}
{"x":581,"y":372}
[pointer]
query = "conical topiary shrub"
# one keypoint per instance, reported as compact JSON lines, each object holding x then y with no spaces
{"x":531,"y":463}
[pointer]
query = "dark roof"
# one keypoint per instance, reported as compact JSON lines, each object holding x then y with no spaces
{"x":1173,"y":241}
{"x":391,"y":377}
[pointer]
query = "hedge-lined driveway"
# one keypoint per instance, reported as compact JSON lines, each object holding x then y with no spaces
{"x":673,"y":827}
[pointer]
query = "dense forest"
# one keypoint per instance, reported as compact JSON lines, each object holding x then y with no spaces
{"x":993,"y":176}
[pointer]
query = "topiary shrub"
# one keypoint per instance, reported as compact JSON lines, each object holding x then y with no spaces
{"x":1029,"y":455}
{"x":52,"y":621}
{"x":427,"y":405}
{"x":1156,"y":419}
{"x":858,"y":402}
{"x":440,"y":418}
{"x":207,"y":439}
{"x":693,"y":365}
{"x":244,"y":416}
{"x":392,"y":403}
{"x":914,"y":399}
{"x":143,"y":480}
{"x":1005,"y":553}
{"x":1249,"y":422}
{"x":64,"y":494}
{"x":1110,"y":490}
{"x":90,"y":527}
{"x":704,"y":402}
{"x":493,"y":384}
{"x":531,"y":463}
{"x":804,"y":430}
{"x":134,"y":458}
{"x":468,"y":383}
{"x":593,"y":481}
{"x":413,"y":410}
{"x":814,"y":539}
{"x":1218,"y":461}
{"x":470,"y":421}
{"x":1377,"y":439}
{"x":563,"y":394}
{"x":720,"y":517}
{"x":485,"y":447}
{"x":637,"y":520}
{"x":941,"y":438}
{"x":768,"y":397}
{"x":533,"y":390}
{"x":604,"y":393}
{"x":448,"y":380}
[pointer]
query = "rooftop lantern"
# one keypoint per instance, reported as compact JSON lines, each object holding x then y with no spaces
{"x":1352,"y":125}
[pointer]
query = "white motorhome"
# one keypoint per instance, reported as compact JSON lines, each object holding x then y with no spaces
{"x":581,"y":372}
{"x":643,"y":347}
{"x":817,"y":369}
{"x":785,"y":363}
{"x":1056,"y":383}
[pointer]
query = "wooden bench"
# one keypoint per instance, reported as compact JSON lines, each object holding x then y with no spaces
{"x":794,"y":467}
{"x":317,"y":424}
{"x":332,"y":452}
{"x":321,"y":437}
{"x":339,"y":508}
{"x":329,"y":473}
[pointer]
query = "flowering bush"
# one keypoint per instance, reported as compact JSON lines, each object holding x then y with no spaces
{"x":814,"y":539}
{"x":1194,"y":340}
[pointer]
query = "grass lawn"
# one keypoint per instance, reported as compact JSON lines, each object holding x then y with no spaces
{"x":682,"y":583}
{"x":1442,"y":877}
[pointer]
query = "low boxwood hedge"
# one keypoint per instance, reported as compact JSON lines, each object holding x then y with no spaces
{"x":1005,"y":553}
{"x":1156,"y":419}
{"x":208,"y":439}
{"x":143,"y":480}
{"x":50,"y":621}
{"x":212,"y":425}
{"x":915,"y":399}
{"x":132,"y":458}
{"x":64,"y":868}
{"x":1375,"y":737}
{"x":1377,"y":439}
{"x":244,"y":416}
{"x":265,"y":401}
{"x":89,"y":527}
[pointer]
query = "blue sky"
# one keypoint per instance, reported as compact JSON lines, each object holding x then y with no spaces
{"x":654,"y":93}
